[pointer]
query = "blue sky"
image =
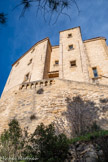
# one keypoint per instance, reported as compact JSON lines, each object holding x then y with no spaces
{"x":18,"y":35}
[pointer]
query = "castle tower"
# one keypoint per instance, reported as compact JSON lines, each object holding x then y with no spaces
{"x":73,"y":59}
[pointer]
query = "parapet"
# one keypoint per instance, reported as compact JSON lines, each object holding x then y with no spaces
{"x":37,"y":84}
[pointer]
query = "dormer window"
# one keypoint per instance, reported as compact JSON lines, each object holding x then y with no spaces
{"x":69,"y":35}
{"x":30,"y":62}
{"x":70,"y":47}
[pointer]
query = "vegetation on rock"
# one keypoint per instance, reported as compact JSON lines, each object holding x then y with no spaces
{"x":45,"y":146}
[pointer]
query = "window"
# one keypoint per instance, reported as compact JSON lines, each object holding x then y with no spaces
{"x":27,"y":76}
{"x":71,"y":47}
{"x":56,"y":62}
{"x":30,"y":62}
{"x":95,"y":72}
{"x":69,"y":35}
{"x":32,"y":50}
{"x":72,"y":63}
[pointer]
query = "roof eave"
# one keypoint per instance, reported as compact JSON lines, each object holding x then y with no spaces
{"x":32,"y":48}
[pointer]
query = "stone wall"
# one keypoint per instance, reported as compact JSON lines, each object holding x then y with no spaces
{"x":50,"y":101}
{"x":54,"y":57}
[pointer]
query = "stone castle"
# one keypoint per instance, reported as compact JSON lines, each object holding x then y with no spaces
{"x":45,"y":76}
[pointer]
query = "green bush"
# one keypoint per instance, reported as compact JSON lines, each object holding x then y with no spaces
{"x":46,"y":146}
{"x":11,"y":141}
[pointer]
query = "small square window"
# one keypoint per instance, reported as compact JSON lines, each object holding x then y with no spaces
{"x":71,"y":47}
{"x":56,"y":62}
{"x":72,"y":63}
{"x":30,"y":62}
{"x":69,"y":35}
{"x":95,"y":73}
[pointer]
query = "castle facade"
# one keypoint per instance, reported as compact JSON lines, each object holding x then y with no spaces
{"x":44,"y":82}
{"x":73,"y":59}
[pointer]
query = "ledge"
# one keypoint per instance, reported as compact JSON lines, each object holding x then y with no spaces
{"x":95,"y":78}
{"x":35,"y":84}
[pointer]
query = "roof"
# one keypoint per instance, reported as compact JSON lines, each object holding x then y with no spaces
{"x":56,"y":46}
{"x":70,"y":29}
{"x":88,"y":40}
{"x":94,"y":39}
{"x":32,"y":48}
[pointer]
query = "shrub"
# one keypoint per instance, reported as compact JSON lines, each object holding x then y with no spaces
{"x":40,"y":91}
{"x":11,"y":141}
{"x":32,"y":117}
{"x":45,"y":145}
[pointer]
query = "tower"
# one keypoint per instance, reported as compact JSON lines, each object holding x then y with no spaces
{"x":73,"y":58}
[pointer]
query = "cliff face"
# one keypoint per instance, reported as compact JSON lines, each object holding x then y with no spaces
{"x":95,"y":150}
{"x":53,"y":101}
